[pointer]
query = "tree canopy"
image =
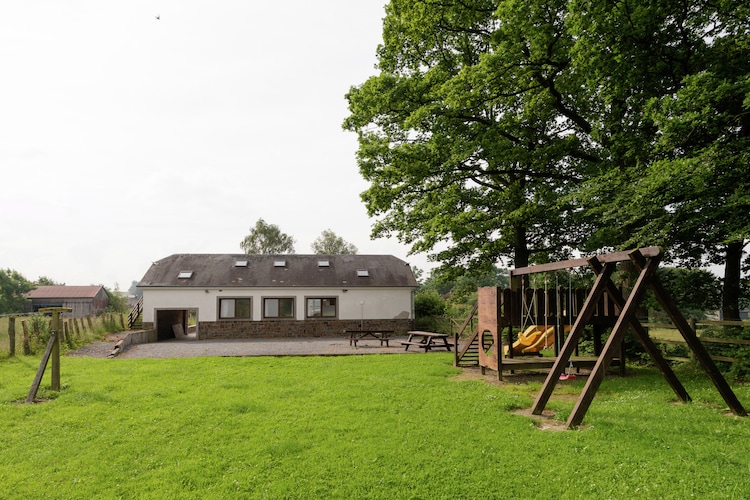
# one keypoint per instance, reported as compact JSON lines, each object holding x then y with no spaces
{"x":13,"y":288}
{"x":267,"y":238}
{"x":329,"y":243}
{"x":520,"y":131}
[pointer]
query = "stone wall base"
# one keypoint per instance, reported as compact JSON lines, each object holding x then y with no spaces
{"x":287,"y":329}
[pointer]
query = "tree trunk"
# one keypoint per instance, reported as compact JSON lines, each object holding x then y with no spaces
{"x":730,"y":308}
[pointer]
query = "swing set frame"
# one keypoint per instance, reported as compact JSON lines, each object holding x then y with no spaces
{"x":646,"y":261}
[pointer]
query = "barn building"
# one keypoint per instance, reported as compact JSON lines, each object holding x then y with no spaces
{"x":83,"y":300}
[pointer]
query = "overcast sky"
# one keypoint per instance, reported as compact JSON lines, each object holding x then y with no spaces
{"x":125,"y":138}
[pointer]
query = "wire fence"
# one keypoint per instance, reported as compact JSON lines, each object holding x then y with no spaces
{"x":28,"y":333}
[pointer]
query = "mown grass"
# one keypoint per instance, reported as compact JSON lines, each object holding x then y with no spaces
{"x":385,"y":426}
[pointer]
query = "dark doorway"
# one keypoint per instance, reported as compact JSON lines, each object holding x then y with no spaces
{"x":169,"y":320}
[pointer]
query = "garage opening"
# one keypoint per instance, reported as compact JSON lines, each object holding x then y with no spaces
{"x":179,"y":324}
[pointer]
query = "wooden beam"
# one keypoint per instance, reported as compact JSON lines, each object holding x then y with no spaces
{"x":589,"y":306}
{"x":650,"y":347}
{"x":42,"y":366}
{"x":648,"y":252}
{"x":696,"y":346}
{"x":618,"y":331}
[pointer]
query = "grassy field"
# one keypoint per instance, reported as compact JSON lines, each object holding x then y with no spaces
{"x":386,"y":426}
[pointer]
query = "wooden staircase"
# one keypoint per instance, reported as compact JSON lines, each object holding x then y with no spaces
{"x":467,"y":351}
{"x":135,"y":318}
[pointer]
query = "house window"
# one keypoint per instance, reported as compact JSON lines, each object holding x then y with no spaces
{"x":282,"y":307}
{"x":184,"y":275}
{"x":363,"y":273}
{"x":321,"y":307}
{"x":235,"y":309}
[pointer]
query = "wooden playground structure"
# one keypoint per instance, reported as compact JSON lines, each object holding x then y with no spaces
{"x":603,"y":307}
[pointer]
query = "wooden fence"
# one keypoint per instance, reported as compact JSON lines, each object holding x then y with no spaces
{"x":21,"y":328}
{"x":698,"y":326}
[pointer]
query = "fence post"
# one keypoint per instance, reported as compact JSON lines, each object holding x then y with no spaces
{"x":12,"y":334}
{"x":56,"y":346}
{"x":691,"y":324}
{"x":68,"y":333}
{"x":91,"y":325}
{"x":40,"y":371}
{"x":26,"y":343}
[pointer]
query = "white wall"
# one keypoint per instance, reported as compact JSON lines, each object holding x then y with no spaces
{"x":354,"y":303}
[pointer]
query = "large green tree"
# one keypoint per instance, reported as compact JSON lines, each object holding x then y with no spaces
{"x":524,"y":129}
{"x":460,"y":152}
{"x":265,"y":238}
{"x":672,"y":81}
{"x":13,"y":288}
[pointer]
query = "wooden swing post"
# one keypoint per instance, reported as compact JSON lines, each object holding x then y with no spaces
{"x":647,"y":261}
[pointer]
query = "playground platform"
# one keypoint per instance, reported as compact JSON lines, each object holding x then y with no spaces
{"x":545,"y":363}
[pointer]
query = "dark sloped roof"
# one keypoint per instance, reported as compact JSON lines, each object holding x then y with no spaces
{"x":221,"y":270}
{"x":64,"y":292}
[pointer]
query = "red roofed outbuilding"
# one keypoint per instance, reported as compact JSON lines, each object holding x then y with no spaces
{"x":84,"y":300}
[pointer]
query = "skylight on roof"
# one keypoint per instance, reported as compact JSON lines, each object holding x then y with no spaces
{"x":279,"y":263}
{"x":324,"y":263}
{"x":185,"y":275}
{"x":363,"y":273}
{"x":240,"y":263}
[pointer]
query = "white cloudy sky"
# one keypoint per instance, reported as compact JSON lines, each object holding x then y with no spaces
{"x":124,"y":139}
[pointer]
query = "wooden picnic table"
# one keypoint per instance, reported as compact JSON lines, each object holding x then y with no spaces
{"x":381,"y":335}
{"x":427,"y":341}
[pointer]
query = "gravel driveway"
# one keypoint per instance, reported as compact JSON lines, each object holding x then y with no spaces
{"x":307,"y":346}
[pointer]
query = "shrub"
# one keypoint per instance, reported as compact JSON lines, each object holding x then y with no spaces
{"x":428,"y":303}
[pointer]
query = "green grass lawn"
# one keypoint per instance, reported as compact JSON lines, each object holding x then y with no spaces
{"x":386,"y":426}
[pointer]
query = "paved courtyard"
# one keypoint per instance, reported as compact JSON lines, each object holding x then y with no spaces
{"x":306,"y":346}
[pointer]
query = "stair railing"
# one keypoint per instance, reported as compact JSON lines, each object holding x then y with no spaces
{"x":135,"y":313}
{"x":456,"y":355}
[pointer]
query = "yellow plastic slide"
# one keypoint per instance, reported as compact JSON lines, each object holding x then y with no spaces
{"x":534,"y":339}
{"x":546,"y":339}
{"x":527,"y":338}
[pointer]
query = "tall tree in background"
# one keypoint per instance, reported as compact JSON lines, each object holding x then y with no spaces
{"x":13,"y":287}
{"x":45,"y":281}
{"x":457,"y":148}
{"x":672,"y":81}
{"x":329,"y":243}
{"x":267,"y":238}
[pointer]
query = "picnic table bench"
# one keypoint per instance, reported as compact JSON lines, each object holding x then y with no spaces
{"x":427,"y":341}
{"x":381,"y":335}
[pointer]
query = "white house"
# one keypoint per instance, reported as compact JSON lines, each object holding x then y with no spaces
{"x":246,"y":296}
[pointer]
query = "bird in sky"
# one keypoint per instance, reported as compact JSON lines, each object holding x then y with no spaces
{"x":158,"y":17}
